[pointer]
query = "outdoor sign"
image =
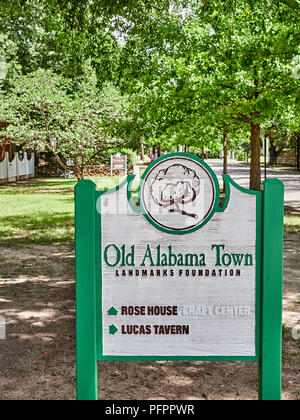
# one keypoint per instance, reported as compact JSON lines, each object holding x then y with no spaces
{"x":70,"y":162}
{"x":118,"y":163}
{"x":179,"y":276}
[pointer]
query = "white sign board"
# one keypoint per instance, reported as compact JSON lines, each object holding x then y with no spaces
{"x":179,"y":273}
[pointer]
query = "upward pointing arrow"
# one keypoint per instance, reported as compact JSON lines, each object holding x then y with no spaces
{"x":113,"y":329}
{"x":112,"y":311}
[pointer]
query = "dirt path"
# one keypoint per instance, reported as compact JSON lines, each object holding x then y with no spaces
{"x":37,"y":298}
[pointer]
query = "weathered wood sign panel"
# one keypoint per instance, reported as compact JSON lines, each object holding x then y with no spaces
{"x":178,"y":276}
{"x":192,"y":294}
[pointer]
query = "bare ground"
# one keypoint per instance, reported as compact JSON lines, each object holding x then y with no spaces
{"x":37,"y":298}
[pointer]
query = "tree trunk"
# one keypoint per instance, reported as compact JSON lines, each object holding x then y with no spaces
{"x":255,"y":172}
{"x":298,"y":153}
{"x":265,"y":154}
{"x":225,"y":150}
{"x":272,"y":160}
{"x":79,"y":168}
{"x":142,"y":150}
{"x":159,"y":153}
{"x":274,"y":153}
{"x":78,"y":173}
{"x":58,"y":160}
{"x":203,"y":156}
{"x":225,"y":159}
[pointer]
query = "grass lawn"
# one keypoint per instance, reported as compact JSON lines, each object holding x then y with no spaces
{"x":42,"y":211}
{"x":292,"y":223}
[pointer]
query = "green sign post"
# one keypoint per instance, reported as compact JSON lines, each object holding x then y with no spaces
{"x":179,"y":277}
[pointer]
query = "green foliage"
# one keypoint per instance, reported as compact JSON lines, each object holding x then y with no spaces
{"x":44,"y":116}
{"x":131,"y":154}
{"x":241,"y":157}
{"x":9,"y":67}
{"x":191,"y":71}
{"x":215,"y":67}
{"x":60,"y":36}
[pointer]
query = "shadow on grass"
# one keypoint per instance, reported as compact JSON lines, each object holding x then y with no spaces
{"x":290,"y":210}
{"x":70,"y":200}
{"x":40,"y":228}
{"x":39,"y":186}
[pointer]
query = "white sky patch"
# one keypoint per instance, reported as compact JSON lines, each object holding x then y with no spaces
{"x":122,"y":26}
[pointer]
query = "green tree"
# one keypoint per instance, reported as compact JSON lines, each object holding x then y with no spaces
{"x":42,"y":115}
{"x":9,"y":67}
{"x":60,"y":36}
{"x":245,"y":50}
{"x":229,"y":59}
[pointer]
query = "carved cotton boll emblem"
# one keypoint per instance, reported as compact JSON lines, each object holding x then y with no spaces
{"x":178,"y":193}
{"x":174,"y":187}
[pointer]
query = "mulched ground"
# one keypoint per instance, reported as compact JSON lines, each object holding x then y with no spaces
{"x":37,"y":298}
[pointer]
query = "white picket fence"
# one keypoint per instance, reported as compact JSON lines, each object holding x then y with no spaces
{"x":17,"y":169}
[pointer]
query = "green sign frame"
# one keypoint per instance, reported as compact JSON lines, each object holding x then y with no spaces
{"x":269,"y":269}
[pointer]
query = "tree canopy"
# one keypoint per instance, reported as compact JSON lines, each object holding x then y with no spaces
{"x":191,"y":73}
